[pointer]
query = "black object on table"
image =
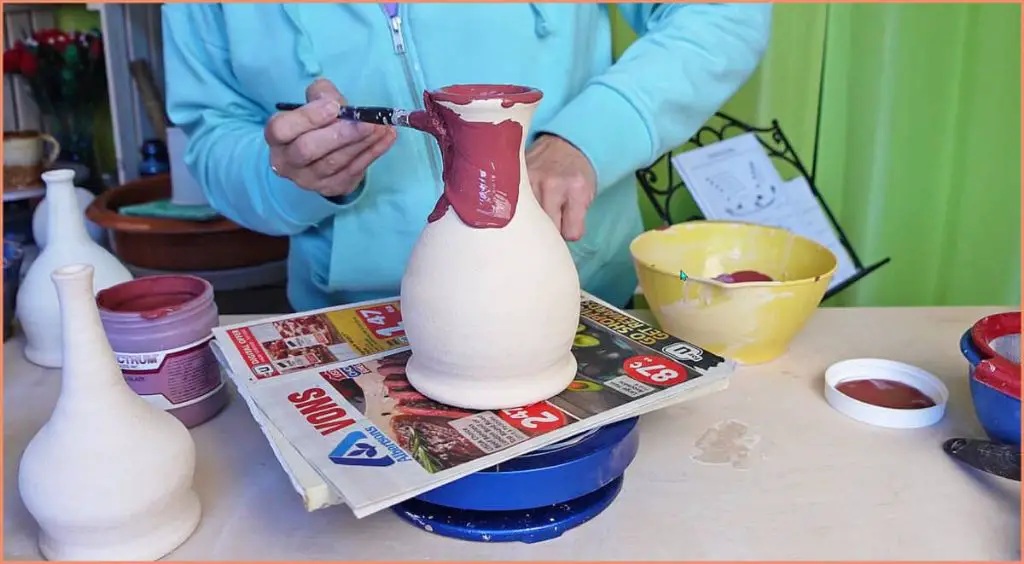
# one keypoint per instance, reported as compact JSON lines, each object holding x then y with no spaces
{"x":993,"y":458}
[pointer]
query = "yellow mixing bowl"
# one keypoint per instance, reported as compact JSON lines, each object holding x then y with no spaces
{"x":750,"y":322}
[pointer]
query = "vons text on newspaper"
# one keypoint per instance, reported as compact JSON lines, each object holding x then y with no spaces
{"x":320,"y":410}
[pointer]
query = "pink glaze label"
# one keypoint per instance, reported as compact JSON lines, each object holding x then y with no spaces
{"x":175,"y":377}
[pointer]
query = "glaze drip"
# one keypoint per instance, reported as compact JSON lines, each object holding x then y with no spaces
{"x":481,"y":164}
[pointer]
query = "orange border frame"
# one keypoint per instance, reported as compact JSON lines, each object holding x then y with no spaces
{"x":2,"y":486}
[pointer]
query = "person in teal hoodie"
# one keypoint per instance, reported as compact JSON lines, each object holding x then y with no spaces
{"x":353,"y":198}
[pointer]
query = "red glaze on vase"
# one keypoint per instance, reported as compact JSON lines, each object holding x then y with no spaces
{"x":482,"y":173}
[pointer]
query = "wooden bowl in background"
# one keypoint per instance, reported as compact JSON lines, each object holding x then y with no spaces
{"x":177,"y":245}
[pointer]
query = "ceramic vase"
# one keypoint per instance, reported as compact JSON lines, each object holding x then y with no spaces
{"x":68,"y":242}
{"x":41,"y":219}
{"x":109,"y":476}
{"x":491,"y":296}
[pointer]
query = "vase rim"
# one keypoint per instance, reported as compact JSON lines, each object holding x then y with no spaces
{"x":73,"y":272}
{"x":58,"y":175}
{"x":509,"y":94}
{"x":22,"y":134}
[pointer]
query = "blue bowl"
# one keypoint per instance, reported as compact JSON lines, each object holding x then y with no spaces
{"x":998,"y":412}
{"x":13,"y":255}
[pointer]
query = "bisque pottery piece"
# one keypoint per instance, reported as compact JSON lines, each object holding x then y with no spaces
{"x":491,"y":296}
{"x":41,"y":219}
{"x":109,"y":476}
{"x":68,"y":242}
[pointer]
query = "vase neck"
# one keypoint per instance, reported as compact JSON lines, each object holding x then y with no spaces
{"x":65,"y":223}
{"x":89,"y":366}
{"x":482,"y":146}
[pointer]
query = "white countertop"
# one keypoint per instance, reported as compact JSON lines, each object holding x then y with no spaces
{"x":805,"y":481}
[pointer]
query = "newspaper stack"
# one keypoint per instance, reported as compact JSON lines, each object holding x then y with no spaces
{"x":328,"y":389}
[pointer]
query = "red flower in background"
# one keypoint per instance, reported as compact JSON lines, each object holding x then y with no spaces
{"x":53,"y":37}
{"x":64,"y":71}
{"x":28,"y":63}
{"x":96,"y":49}
{"x":12,"y":59}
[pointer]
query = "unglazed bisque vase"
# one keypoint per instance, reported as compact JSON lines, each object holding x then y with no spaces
{"x":109,"y":476}
{"x":491,"y":296}
{"x":41,"y":219}
{"x":68,"y":242}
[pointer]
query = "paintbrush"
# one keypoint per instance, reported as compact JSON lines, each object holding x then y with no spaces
{"x":367,"y":114}
{"x":996,"y":459}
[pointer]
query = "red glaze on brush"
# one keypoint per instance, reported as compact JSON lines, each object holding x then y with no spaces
{"x":481,"y":160}
{"x":741,"y":276}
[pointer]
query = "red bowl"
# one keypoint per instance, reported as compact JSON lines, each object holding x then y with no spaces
{"x":996,"y":370}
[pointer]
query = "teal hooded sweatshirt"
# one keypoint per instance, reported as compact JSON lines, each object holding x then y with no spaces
{"x":227,"y":65}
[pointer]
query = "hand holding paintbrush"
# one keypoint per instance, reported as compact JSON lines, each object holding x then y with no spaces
{"x":310,"y":146}
{"x":365,"y":114}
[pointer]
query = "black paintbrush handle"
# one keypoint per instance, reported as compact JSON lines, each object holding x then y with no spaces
{"x":997,"y":459}
{"x":369,"y":114}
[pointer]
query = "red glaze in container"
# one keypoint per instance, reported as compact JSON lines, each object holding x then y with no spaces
{"x":160,"y":328}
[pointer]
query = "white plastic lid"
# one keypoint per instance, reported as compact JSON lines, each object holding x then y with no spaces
{"x":880,"y":369}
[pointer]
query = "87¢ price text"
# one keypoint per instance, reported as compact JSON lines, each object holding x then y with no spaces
{"x":656,"y":371}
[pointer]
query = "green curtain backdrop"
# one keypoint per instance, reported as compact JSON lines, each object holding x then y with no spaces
{"x":910,"y":117}
{"x":919,"y":148}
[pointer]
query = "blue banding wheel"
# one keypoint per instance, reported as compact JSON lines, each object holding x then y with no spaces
{"x":559,"y":473}
{"x":527,"y":525}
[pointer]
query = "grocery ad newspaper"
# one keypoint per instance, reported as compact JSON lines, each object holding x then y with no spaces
{"x":329,"y":391}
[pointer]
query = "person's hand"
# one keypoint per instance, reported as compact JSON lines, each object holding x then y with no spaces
{"x":314,"y":149}
{"x":563,"y":181}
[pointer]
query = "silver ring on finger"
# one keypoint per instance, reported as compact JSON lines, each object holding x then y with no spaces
{"x":274,"y":169}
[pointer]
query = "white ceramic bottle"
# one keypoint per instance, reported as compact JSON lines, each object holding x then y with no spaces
{"x":68,"y":242}
{"x":109,"y":476}
{"x":41,"y":219}
{"x":490,"y":313}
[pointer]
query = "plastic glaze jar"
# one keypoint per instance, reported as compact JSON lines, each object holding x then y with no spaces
{"x":160,"y":330}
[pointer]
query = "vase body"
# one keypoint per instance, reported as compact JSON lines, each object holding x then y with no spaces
{"x":109,"y":476}
{"x":491,"y":296}
{"x":68,"y":242}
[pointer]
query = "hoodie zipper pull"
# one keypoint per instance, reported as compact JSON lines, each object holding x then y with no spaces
{"x":396,"y":33}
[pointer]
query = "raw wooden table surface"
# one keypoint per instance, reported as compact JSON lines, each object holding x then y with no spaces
{"x":798,"y":480}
